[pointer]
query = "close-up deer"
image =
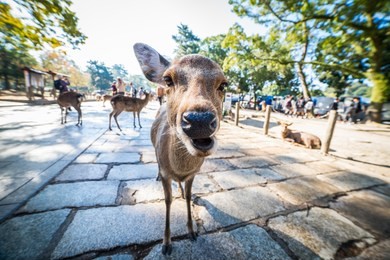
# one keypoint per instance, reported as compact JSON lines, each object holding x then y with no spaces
{"x":70,"y":99}
{"x":122,"y":103}
{"x":184,"y":130}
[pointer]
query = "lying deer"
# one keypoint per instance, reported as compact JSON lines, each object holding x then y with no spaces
{"x":105,"y":98}
{"x":183,"y":133}
{"x":68,"y":99}
{"x":302,"y":138}
{"x":122,"y":103}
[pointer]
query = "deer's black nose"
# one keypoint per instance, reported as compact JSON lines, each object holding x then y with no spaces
{"x":199,"y":124}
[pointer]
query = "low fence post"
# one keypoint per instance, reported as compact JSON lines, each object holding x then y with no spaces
{"x":236,"y":116}
{"x":267,"y":118}
{"x":329,"y":132}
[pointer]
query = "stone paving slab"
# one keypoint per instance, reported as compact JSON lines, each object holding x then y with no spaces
{"x":9,"y":185}
{"x":204,"y":184}
{"x":27,"y":237}
{"x":301,"y":190}
{"x":76,"y":172}
{"x":80,"y":194}
{"x":115,"y":257}
{"x":216,"y":165}
{"x":378,"y":251}
{"x":86,"y":158}
{"x":293,"y":170}
{"x":106,"y":228}
{"x":237,"y":178}
{"x":243,"y":205}
{"x":224,"y":153}
{"x":369,"y":209}
{"x":317,"y":233}
{"x":118,"y":158}
{"x":347,"y":181}
{"x":146,"y":190}
{"x":252,"y":162}
{"x":133,"y":172}
{"x":249,"y":242}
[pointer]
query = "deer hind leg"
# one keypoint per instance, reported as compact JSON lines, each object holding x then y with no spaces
{"x":109,"y":120}
{"x":117,"y":113}
{"x":134,"y":119}
{"x":62,"y":115}
{"x":139,"y":122}
{"x":80,"y":115}
{"x":188,"y":187}
{"x":167,"y":243}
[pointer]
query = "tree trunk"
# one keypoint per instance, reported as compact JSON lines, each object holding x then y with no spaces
{"x":380,"y":94}
{"x":302,"y":79}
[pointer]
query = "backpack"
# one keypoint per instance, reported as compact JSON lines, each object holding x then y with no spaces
{"x":57,"y":84}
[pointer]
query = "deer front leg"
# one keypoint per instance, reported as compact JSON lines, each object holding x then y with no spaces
{"x":167,"y":243}
{"x":188,"y":188}
{"x":134,"y":119}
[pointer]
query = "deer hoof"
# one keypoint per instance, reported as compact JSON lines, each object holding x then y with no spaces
{"x":166,"y":249}
{"x":193,"y":236}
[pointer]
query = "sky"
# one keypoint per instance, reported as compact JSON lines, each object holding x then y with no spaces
{"x":114,"y":26}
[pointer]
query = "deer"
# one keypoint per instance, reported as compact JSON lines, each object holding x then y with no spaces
{"x":308,"y":140}
{"x":105,"y":98}
{"x":122,"y":103}
{"x":184,"y":130}
{"x":68,"y":99}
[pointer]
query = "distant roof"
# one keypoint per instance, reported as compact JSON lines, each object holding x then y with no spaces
{"x":35,"y":70}
{"x":57,"y":73}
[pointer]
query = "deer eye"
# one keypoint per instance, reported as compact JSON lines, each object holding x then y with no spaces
{"x":168,"y":81}
{"x":223,"y":86}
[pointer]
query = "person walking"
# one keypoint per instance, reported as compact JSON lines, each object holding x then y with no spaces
{"x":121,"y":86}
{"x":114,"y":89}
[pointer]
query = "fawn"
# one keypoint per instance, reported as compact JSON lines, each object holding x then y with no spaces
{"x":68,"y":99}
{"x":183,"y":133}
{"x":122,"y":103}
{"x":302,"y":138}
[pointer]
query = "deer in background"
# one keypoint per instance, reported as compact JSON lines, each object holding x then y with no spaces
{"x":183,"y":133}
{"x":68,"y":99}
{"x":302,"y":138}
{"x":122,"y":103}
{"x":105,"y":98}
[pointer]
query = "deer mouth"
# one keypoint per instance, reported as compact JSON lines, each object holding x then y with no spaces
{"x":203,"y":144}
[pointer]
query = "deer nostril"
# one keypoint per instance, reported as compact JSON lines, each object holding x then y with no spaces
{"x":199,"y":124}
{"x":213,"y":124}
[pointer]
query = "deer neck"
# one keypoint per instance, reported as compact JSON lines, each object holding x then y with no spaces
{"x":183,"y":163}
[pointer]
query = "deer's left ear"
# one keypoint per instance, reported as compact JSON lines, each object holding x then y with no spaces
{"x":153,"y":65}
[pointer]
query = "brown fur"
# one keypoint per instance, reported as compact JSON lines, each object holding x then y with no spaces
{"x":70,"y":99}
{"x":122,"y":103}
{"x":197,"y":87}
{"x":105,"y":98}
{"x":308,"y":140}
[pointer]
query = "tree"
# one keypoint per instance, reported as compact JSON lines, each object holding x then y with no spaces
{"x":119,"y":71}
{"x":34,"y":24}
{"x":336,"y":80}
{"x":187,"y":41}
{"x":347,"y":35}
{"x":57,"y":61}
{"x":101,"y":77}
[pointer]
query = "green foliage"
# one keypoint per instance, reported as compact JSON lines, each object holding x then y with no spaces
{"x":101,"y":76}
{"x":35,"y":23}
{"x":119,"y":71}
{"x":335,"y":80}
{"x":351,"y":36}
{"x":187,"y":41}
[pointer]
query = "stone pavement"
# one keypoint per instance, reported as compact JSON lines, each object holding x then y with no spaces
{"x":256,"y":198}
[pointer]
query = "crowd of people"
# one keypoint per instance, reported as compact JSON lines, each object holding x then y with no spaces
{"x":298,"y":106}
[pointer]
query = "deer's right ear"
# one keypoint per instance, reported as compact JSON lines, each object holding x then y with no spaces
{"x":153,"y":65}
